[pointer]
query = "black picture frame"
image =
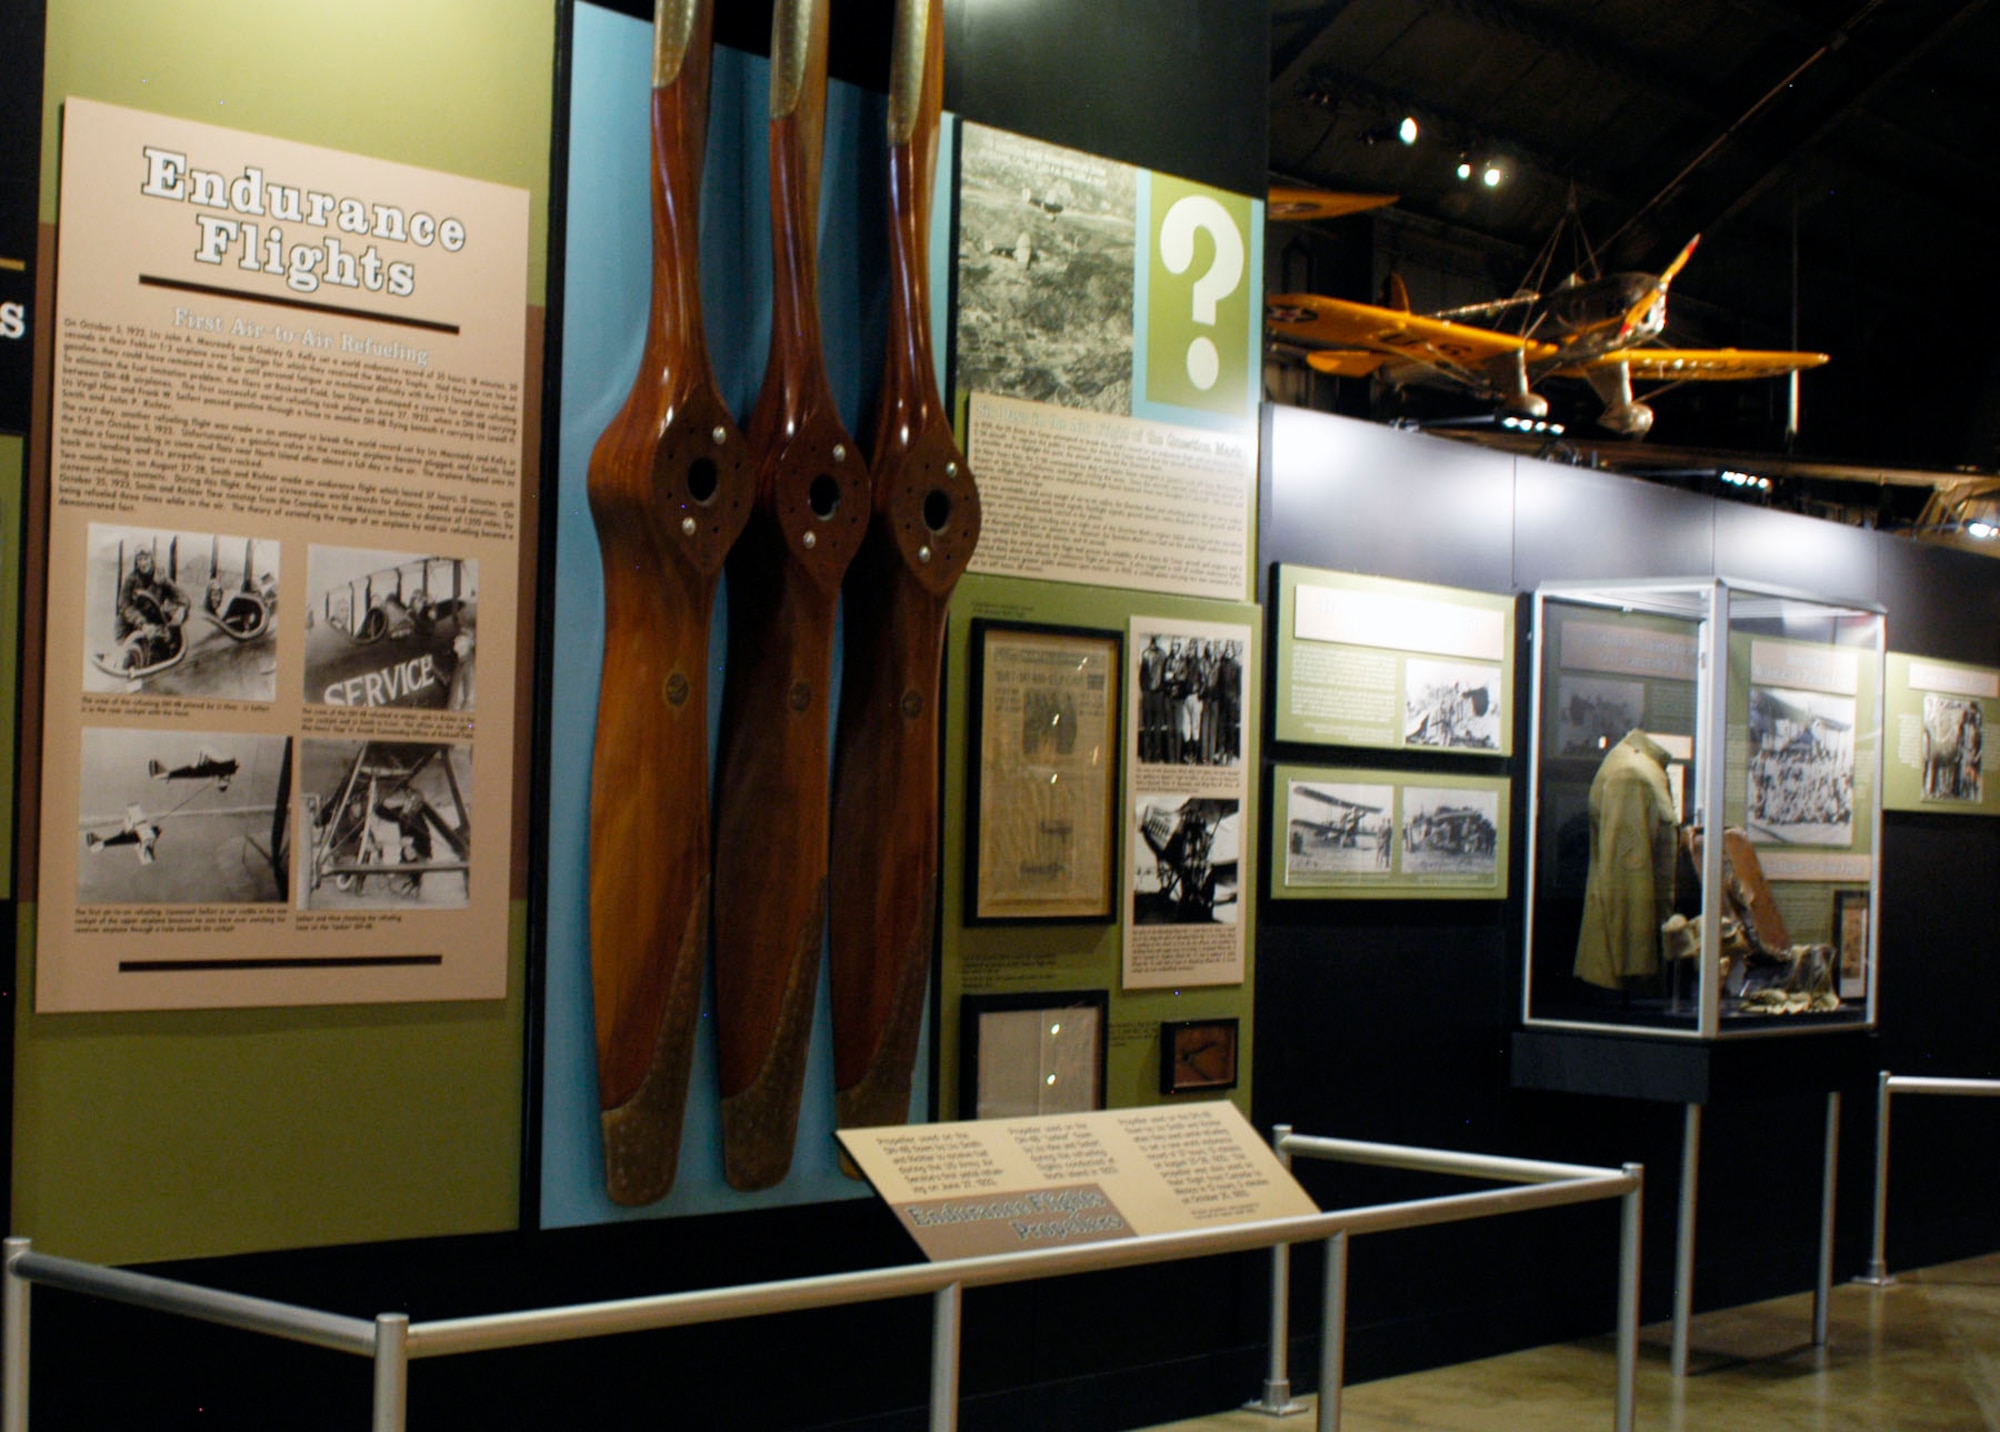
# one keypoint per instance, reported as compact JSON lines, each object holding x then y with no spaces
{"x":988,"y":1026}
{"x":1199,"y":1056}
{"x":986,"y":902}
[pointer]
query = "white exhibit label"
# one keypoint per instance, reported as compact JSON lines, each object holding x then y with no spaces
{"x":1629,"y":651}
{"x":1953,"y":680}
{"x":1105,"y":500}
{"x":1815,"y":668}
{"x":1394,"y":623}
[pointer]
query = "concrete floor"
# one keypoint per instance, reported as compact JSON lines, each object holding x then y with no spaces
{"x":1920,"y":1356}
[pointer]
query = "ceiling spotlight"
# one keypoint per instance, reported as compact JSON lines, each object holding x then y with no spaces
{"x":1403,"y":131}
{"x":1981,"y":530}
{"x":1464,"y":167}
{"x":1491,"y":176}
{"x":1743,"y":479}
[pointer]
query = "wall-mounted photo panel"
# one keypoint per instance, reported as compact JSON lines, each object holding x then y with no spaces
{"x":1367,"y":661}
{"x":1188,"y":784}
{"x":1343,"y":833}
{"x":1937,"y":713}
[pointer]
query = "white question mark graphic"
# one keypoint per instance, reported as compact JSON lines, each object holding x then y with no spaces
{"x":1177,"y":231}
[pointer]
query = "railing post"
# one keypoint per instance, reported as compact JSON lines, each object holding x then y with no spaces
{"x":1878,"y":1267}
{"x":392,"y":1371}
{"x":1630,"y":1207}
{"x":1333,"y":1333}
{"x":14,"y":1345}
{"x":1828,"y":1196}
{"x":946,"y":1305}
{"x":1684,"y":1238}
{"x":1277,"y":1400}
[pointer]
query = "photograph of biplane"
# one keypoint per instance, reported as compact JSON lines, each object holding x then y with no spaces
{"x":1604,"y":329}
{"x":389,"y":628}
{"x":388,"y":826}
{"x":1451,"y":830}
{"x":180,"y":613}
{"x":1801,"y":781}
{"x":1338,"y":828}
{"x":183,"y":818}
{"x":1185,"y":860}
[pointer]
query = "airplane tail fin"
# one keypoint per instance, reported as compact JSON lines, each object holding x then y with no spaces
{"x":157,"y":771}
{"x":1394,"y":293}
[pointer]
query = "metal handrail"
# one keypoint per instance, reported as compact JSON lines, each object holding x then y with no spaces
{"x":392,"y":1340}
{"x":1553,"y":1184}
{"x":1886,"y":1085}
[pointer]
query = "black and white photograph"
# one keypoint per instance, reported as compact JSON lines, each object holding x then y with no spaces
{"x":1454,"y":704}
{"x":172,"y":613}
{"x":1801,"y":782}
{"x":1185,"y":860}
{"x":387,"y":825}
{"x":1593,"y":713}
{"x":1954,"y":734}
{"x":1451,"y":830}
{"x":391,"y":629}
{"x":1190,"y":700}
{"x":1339,"y":829}
{"x":183,"y":818}
{"x":1045,"y":261}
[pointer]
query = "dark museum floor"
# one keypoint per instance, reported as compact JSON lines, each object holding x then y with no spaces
{"x":1920,"y":1356}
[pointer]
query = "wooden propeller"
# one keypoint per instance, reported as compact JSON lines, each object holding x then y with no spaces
{"x":925,"y":524}
{"x":670,"y":489}
{"x":784,"y":584}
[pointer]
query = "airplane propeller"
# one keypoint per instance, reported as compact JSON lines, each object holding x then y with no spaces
{"x":1636,"y":315}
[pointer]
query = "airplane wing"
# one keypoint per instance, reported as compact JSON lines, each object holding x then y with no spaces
{"x":1385,"y":335}
{"x":1333,"y":800}
{"x":134,"y":817}
{"x":1298,"y":206}
{"x":1697,"y":365}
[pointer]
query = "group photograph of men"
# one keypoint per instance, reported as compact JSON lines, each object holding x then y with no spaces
{"x":1190,"y":701}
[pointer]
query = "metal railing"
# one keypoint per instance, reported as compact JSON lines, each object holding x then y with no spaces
{"x":1549,"y":1185}
{"x":1886,"y":1085}
{"x":392,"y":1341}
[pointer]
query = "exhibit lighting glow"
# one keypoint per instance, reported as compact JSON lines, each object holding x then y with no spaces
{"x":1491,"y":176}
{"x":1532,"y":425}
{"x":1403,"y":131}
{"x":1744,"y":479}
{"x":1981,"y":530}
{"x":1465,"y":169}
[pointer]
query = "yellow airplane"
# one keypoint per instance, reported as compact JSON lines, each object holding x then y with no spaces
{"x":1595,"y":329}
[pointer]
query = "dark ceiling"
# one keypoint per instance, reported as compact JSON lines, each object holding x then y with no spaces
{"x":1837,"y":160}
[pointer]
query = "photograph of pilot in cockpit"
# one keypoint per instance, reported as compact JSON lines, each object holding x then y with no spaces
{"x":174,"y":613}
{"x":390,"y":628}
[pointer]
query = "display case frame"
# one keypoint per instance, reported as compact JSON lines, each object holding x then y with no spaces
{"x":1746,"y":622}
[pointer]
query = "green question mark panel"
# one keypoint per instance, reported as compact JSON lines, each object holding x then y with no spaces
{"x":1200,"y":280}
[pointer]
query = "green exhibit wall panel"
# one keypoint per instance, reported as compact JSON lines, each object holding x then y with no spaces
{"x":1024,"y":958}
{"x":148,"y":1136}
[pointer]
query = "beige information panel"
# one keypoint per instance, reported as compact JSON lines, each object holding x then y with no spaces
{"x":283,"y":542}
{"x":1008,"y":1185}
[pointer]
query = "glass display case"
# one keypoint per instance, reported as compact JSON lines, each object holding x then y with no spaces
{"x":1705,"y":815}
